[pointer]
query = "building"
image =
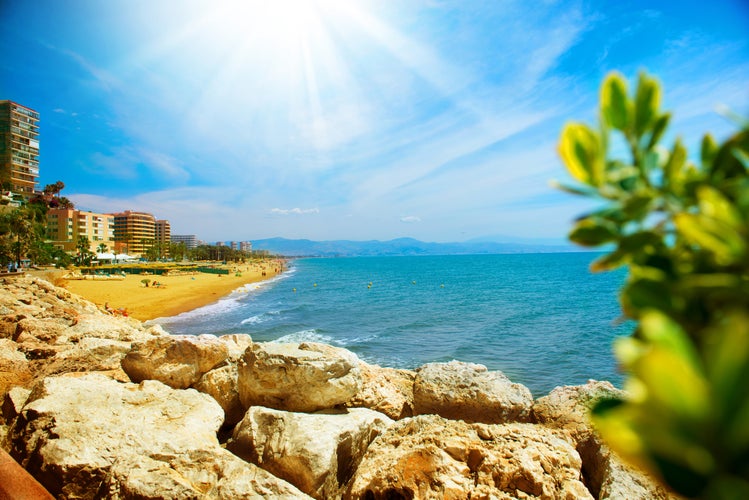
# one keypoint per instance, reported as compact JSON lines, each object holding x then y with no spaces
{"x":163,"y":237}
{"x":134,"y":232}
{"x":190,"y":240}
{"x":245,"y":246}
{"x":66,"y":226}
{"x":19,"y":148}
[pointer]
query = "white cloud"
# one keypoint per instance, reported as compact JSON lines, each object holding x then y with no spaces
{"x":410,"y":219}
{"x":294,"y":211}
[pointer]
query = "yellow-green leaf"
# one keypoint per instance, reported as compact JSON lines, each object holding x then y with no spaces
{"x":647,"y":102}
{"x":581,"y":152}
{"x":614,"y":102}
{"x":712,"y":235}
{"x":676,"y":162}
{"x":713,"y":204}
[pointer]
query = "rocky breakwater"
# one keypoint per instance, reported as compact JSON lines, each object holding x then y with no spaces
{"x":96,"y":406}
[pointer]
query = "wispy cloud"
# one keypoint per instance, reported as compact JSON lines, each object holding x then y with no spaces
{"x":410,"y":219}
{"x":293,"y":211}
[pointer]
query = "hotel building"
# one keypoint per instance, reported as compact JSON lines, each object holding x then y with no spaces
{"x":134,"y":232}
{"x":66,"y":226}
{"x":19,"y":148}
{"x":190,"y":240}
{"x":163,"y":236}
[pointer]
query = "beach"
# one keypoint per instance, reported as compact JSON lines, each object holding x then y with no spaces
{"x":176,"y":293}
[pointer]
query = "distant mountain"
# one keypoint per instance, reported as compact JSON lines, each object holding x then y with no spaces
{"x":400,"y":246}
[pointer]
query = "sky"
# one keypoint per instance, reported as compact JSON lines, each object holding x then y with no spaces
{"x":350,"y":119}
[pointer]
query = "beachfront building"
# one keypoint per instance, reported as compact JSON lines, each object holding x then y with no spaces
{"x":163,"y":237}
{"x":65,"y":227}
{"x":245,"y":246}
{"x":134,"y":232}
{"x":190,"y":240}
{"x":19,"y":148}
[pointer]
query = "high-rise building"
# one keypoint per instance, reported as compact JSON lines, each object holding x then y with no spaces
{"x":66,"y":226}
{"x":245,"y":246}
{"x":134,"y":232}
{"x":190,"y":240}
{"x":19,"y":148}
{"x":163,"y":237}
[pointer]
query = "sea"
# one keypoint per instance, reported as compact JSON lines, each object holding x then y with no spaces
{"x":544,"y":319}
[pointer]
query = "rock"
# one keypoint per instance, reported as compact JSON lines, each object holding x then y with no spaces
{"x":204,"y":474}
{"x":92,"y":437}
{"x":316,"y":452}
{"x":14,"y":367}
{"x":237,"y":343}
{"x":568,"y":408}
{"x":431,"y":457}
{"x":467,"y":391}
{"x":13,"y":402}
{"x":221,"y":384}
{"x":298,"y":377}
{"x":387,"y":390}
{"x":176,"y":360}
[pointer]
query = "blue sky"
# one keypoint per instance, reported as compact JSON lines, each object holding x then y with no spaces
{"x":345,"y":119}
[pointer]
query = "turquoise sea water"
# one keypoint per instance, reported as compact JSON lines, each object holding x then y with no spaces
{"x":542,"y":319}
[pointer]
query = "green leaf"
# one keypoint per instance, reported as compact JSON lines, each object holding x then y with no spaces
{"x":675,"y":163}
{"x":708,"y":151}
{"x":658,"y":129}
{"x":581,"y":152}
{"x":593,"y":232}
{"x":713,"y":204}
{"x":712,"y":235}
{"x":609,"y":262}
{"x":647,"y":102}
{"x":614,"y":102}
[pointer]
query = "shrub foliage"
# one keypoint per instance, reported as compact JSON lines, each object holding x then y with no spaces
{"x":681,"y":226}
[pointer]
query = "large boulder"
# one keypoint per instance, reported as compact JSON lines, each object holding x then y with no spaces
{"x":302,"y":377}
{"x":92,"y":437}
{"x":469,"y":392}
{"x":221,"y":384}
{"x":14,"y":367}
{"x":387,"y":390}
{"x":176,"y":360}
{"x":568,"y":408}
{"x":316,"y":452}
{"x":432,"y":457}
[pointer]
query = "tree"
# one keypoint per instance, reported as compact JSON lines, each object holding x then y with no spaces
{"x":84,"y":255}
{"x":102,"y":248}
{"x":18,"y":229}
{"x":682,"y":229}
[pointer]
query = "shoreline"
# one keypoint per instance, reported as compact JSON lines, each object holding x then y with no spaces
{"x":175,"y":294}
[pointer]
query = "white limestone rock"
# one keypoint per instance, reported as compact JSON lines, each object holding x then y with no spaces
{"x":176,"y":360}
{"x":221,"y":384}
{"x":431,"y":457}
{"x":567,"y":408}
{"x":302,"y":377}
{"x":469,"y":392}
{"x":92,"y":437}
{"x":316,"y":452}
{"x":387,"y":390}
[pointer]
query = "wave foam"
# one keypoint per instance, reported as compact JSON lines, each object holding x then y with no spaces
{"x":305,"y":336}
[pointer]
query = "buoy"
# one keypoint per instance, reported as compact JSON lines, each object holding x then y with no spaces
{"x":294,"y":290}
{"x":413,"y":282}
{"x":315,"y":284}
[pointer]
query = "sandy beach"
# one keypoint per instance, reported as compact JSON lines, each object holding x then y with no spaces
{"x":176,"y":293}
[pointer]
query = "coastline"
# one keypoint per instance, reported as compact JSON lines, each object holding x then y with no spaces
{"x":177,"y":293}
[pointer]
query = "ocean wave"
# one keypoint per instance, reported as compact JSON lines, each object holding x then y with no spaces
{"x":344,"y":342}
{"x":312,"y":335}
{"x":259,"y":318}
{"x":231,"y":302}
